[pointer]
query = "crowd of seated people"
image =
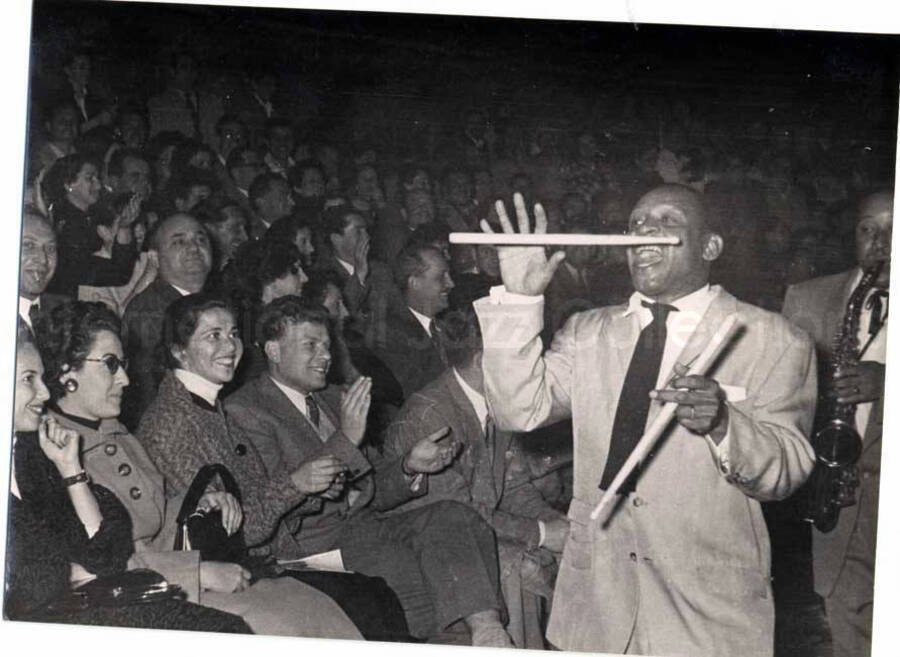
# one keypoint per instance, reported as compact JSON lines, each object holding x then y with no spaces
{"x":202,"y":281}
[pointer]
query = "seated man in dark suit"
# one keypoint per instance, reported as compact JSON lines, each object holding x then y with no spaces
{"x":440,"y":559}
{"x":407,"y":339}
{"x":185,"y":259}
{"x":365,"y":283}
{"x":36,"y":267}
{"x":491,"y":476}
{"x":270,"y":199}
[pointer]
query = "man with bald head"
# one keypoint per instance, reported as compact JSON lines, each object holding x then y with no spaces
{"x":37,"y":264}
{"x":184,"y":252}
{"x":844,"y":559}
{"x":680,"y":565}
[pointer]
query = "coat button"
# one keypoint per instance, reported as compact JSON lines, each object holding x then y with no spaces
{"x":110,"y":449}
{"x":632,"y":556}
{"x":638,"y":501}
{"x":240,"y":449}
{"x":124,"y":469}
{"x":135,"y":493}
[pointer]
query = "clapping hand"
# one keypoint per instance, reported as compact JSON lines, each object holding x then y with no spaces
{"x":318,"y":476}
{"x":524,"y":269}
{"x":355,"y":402}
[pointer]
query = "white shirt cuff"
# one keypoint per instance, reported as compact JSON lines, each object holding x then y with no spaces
{"x":543,"y":530}
{"x":500,"y":295}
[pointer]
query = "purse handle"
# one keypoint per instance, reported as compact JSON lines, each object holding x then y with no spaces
{"x":197,"y":489}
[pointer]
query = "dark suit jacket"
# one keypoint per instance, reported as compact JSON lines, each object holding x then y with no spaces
{"x":402,"y":343}
{"x":285,"y":439}
{"x":496,"y":485}
{"x":142,"y":327}
{"x":818,"y":307}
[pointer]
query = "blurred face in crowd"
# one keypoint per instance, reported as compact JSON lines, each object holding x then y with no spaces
{"x":99,"y":392}
{"x":185,"y":253}
{"x":355,"y":232}
{"x":290,"y":282}
{"x":301,"y":357}
{"x":334,"y":303}
{"x":63,"y":126}
{"x":84,"y":191}
{"x":428,"y":293}
{"x":202,"y":159}
{"x":79,"y":71}
{"x":304,"y":243}
{"x":38,"y":261}
{"x":419,"y":208}
{"x":231,"y":135}
{"x":281,"y":142}
{"x":488,"y":261}
{"x":666,"y":273}
{"x":135,"y":178}
{"x":215,"y":348}
{"x":587,"y":147}
{"x":367,"y":186}
{"x":874,"y":225}
{"x":277,"y":202}
{"x":420,"y":181}
{"x":484,"y":185}
{"x":244,"y":173}
{"x":312,"y":185}
{"x":196,"y":194}
{"x":133,"y":130}
{"x":230,"y":233}
{"x":458,"y":188}
{"x":31,"y":393}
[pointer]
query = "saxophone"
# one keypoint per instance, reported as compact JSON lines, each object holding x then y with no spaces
{"x":837,"y":443}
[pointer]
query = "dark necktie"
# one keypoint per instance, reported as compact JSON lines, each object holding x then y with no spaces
{"x":634,"y":402}
{"x":312,"y":410}
{"x":34,"y":314}
{"x":438,"y":342}
{"x":490,"y":438}
{"x":876,"y":304}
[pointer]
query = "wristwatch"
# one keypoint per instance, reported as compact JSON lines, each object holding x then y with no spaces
{"x":76,"y":479}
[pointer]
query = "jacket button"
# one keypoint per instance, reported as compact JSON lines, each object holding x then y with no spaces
{"x":135,"y":493}
{"x":632,"y":556}
{"x":638,"y":501}
{"x":240,"y":449}
{"x":124,"y":469}
{"x":110,"y":449}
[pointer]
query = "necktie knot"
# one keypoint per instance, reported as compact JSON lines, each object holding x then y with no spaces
{"x":876,"y":304}
{"x":660,"y":311}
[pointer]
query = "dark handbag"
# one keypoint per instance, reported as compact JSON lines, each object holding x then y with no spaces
{"x":132,"y":587}
{"x":202,"y":530}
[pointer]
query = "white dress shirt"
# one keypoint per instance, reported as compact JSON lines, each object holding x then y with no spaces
{"x":423,"y":320}
{"x":875,"y":352}
{"x":25,"y":309}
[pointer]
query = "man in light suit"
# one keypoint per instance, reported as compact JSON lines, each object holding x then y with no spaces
{"x":681,"y":565}
{"x":440,"y":559}
{"x":844,"y":559}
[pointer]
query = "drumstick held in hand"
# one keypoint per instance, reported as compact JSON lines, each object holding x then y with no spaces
{"x":558,"y":239}
{"x":720,"y":338}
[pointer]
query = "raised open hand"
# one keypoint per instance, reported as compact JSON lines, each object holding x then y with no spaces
{"x":524,"y":269}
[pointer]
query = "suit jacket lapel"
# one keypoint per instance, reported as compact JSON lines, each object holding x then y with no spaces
{"x":484,"y":486}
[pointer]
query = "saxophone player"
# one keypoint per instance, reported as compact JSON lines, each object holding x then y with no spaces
{"x":844,"y":559}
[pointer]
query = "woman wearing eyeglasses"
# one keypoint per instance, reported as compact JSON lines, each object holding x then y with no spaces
{"x":64,"y":528}
{"x":81,"y":348}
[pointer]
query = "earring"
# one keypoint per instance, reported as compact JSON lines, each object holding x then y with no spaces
{"x":71,"y":385}
{"x":65,"y":367}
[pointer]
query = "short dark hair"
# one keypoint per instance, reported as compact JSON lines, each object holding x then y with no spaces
{"x":460,"y":335}
{"x":286,"y":228}
{"x":410,"y":262}
{"x":65,"y":335}
{"x":181,"y":319}
{"x":212,"y":210}
{"x":289,"y":309}
{"x":64,"y":171}
{"x":296,"y":172}
{"x":336,"y":218}
{"x":262,"y":185}
{"x":116,"y":166}
{"x":256,"y":264}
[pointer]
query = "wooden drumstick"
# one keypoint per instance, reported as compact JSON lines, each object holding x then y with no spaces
{"x":714,"y":347}
{"x":558,"y":239}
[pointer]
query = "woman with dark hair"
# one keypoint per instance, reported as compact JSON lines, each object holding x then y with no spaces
{"x":263,"y":270}
{"x":73,"y":188}
{"x":184,"y":428}
{"x":295,"y":229}
{"x":86,"y":375}
{"x":63,"y":528}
